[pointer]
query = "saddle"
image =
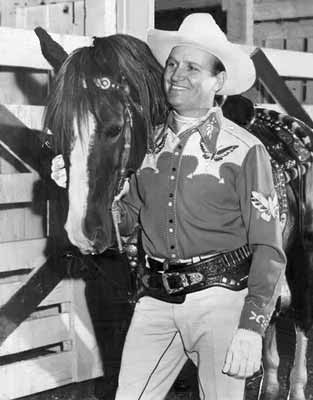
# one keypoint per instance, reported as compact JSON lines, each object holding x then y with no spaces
{"x":289,"y":143}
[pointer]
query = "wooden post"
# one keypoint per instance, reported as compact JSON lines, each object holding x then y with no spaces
{"x":133,"y":18}
{"x":240,"y":21}
{"x":100,"y":17}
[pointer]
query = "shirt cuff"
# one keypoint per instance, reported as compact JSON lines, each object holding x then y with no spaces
{"x":254,"y":318}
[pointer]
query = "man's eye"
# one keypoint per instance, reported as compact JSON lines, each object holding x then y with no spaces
{"x":170,"y":64}
{"x":193,"y":68}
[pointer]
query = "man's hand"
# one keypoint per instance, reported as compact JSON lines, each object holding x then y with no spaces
{"x":58,"y":171}
{"x":243,"y":357}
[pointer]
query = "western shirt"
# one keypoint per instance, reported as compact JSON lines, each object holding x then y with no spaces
{"x":210,"y":189}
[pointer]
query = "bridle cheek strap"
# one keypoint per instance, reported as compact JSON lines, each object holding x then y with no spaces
{"x":115,"y":210}
{"x":105,"y":83}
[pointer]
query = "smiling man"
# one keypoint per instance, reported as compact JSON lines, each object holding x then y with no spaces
{"x":214,"y":258}
{"x":190,"y":80}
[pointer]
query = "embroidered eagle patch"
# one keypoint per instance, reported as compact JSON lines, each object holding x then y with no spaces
{"x":219,"y":154}
{"x":268,"y":207}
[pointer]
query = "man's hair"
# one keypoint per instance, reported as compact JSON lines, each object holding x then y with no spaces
{"x":218,"y":66}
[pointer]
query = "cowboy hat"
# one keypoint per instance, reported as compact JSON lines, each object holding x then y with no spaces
{"x":201,"y":31}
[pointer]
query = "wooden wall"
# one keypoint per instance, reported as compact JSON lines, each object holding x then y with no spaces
{"x":56,"y":344}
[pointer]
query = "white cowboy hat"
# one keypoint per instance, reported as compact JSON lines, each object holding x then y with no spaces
{"x":201,"y":31}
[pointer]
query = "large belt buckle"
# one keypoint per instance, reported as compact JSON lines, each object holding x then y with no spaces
{"x":183,"y":281}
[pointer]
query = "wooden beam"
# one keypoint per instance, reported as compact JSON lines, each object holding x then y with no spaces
{"x":135,"y":20}
{"x":27,"y":51}
{"x":283,"y":29}
{"x":296,"y":64}
{"x":61,"y":294}
{"x":31,"y":293}
{"x":100,"y":17}
{"x":240,"y":21}
{"x":17,"y":188}
{"x":161,"y":5}
{"x":279,"y":108}
{"x":36,"y":375}
{"x":36,"y":333}
{"x":278,"y":88}
{"x":20,"y":141}
{"x":270,"y":10}
{"x":22,"y":254}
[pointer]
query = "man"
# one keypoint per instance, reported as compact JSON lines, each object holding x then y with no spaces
{"x":209,"y":215}
{"x":206,"y":190}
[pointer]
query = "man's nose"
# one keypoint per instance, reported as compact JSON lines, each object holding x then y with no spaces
{"x":178,"y":75}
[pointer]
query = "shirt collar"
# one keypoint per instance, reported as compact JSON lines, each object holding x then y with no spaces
{"x":208,"y":126}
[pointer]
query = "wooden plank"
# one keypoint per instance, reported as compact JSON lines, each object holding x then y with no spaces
{"x":9,"y":9}
{"x":12,"y":222}
{"x":135,"y":20}
{"x":100,"y":17}
{"x":18,"y":139}
{"x":284,"y":29}
{"x":277,"y":87}
{"x":287,"y":63}
{"x":282,"y":9}
{"x":296,"y":86}
{"x":88,"y":362}
{"x":40,"y":282}
{"x":22,"y":254}
{"x":79,"y":18}
{"x":23,"y":86}
{"x":17,"y":188}
{"x":57,"y":18}
{"x":29,"y":53}
{"x":35,"y":375}
{"x":240,"y":21}
{"x":60,"y":294}
{"x":309,"y":83}
{"x":36,"y":333}
{"x":161,"y":5}
{"x":22,"y":223}
{"x":30,"y":115}
{"x":279,"y":108}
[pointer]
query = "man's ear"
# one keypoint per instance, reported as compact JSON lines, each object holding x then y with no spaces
{"x":51,"y":50}
{"x":220,"y":79}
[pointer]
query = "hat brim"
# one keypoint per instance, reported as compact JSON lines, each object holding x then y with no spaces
{"x":240,"y":71}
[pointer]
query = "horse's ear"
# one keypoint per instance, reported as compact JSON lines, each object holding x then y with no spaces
{"x":239,"y":109}
{"x":51,"y":50}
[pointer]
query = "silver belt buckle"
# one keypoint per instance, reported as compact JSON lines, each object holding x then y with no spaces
{"x":183,"y":281}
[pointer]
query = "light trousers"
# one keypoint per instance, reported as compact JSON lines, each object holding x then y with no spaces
{"x":162,"y":336}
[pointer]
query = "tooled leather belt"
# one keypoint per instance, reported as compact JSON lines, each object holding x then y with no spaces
{"x":229,"y":270}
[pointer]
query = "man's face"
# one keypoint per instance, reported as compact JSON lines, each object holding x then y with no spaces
{"x":188,"y":81}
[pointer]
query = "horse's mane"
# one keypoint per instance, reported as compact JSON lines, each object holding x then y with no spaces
{"x":74,"y":93}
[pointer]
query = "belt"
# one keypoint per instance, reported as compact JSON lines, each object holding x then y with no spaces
{"x":228,"y":269}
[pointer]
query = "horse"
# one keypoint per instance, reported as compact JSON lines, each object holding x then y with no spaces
{"x":105,"y":102}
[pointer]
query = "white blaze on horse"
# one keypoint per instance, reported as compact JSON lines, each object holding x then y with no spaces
{"x":105,"y":102}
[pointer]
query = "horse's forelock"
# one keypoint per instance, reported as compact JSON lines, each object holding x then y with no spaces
{"x":143,"y":73}
{"x":73,"y":96}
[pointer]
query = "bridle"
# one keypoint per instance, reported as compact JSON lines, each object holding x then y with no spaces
{"x":105,"y":83}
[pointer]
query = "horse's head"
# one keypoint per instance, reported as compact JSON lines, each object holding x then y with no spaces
{"x":105,"y":102}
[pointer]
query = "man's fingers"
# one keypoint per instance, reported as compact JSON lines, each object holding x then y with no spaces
{"x":60,"y":177}
{"x":227,"y":363}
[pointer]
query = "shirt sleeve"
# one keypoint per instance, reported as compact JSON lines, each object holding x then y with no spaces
{"x":260,"y":211}
{"x":129,"y":206}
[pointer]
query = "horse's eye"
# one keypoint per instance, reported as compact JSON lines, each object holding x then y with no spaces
{"x":114,"y":131}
